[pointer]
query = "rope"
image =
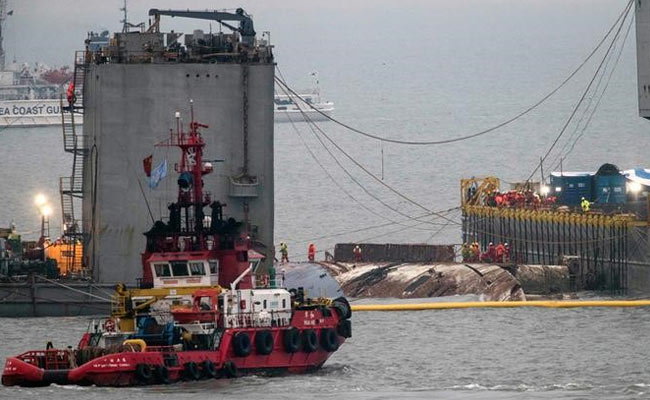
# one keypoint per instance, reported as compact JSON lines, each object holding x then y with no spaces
{"x":73,"y":289}
{"x":485,"y":131}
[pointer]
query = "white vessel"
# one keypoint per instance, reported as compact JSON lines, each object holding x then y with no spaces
{"x":291,"y":108}
{"x":307,"y":104}
{"x":28,"y":111}
{"x":29,"y":95}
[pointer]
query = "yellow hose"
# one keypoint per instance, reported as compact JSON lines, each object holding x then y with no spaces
{"x":501,"y":304}
{"x":139,"y":342}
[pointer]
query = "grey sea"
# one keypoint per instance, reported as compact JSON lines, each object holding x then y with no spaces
{"x":408,"y":70}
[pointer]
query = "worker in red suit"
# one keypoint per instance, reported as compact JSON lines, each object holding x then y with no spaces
{"x":500,"y":253}
{"x":357,"y":253}
{"x":311,"y":252}
{"x":490,"y":255}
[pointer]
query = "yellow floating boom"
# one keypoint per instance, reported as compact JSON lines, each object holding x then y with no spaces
{"x":501,"y":304}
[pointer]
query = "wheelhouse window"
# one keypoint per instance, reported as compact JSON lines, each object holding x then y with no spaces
{"x":162,"y":270}
{"x":214,"y":266}
{"x":179,"y":268}
{"x":197,"y":268}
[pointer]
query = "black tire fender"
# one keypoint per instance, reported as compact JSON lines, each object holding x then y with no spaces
{"x":344,"y":328}
{"x":342,"y":307}
{"x":242,"y":344}
{"x":292,"y":340}
{"x":264,"y":342}
{"x":230,"y":369}
{"x":209,"y":369}
{"x":162,"y":375}
{"x":143,"y":373}
{"x":192,"y":371}
{"x":329,"y":340}
{"x":309,"y":340}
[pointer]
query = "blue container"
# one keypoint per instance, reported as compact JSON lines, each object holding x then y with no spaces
{"x":609,"y":185}
{"x":609,"y":189}
{"x":571,"y":187}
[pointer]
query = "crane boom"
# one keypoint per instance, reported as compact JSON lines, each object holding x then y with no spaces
{"x":245,"y":21}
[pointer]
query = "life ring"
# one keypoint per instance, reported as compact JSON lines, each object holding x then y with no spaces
{"x":230,"y":369}
{"x":143,"y":373}
{"x":242,"y":344}
{"x":309,"y":341}
{"x":162,"y":375}
{"x":329,"y":339}
{"x":291,"y":340}
{"x":209,"y":369}
{"x":264,"y":342}
{"x":109,"y":325}
{"x":192,"y":371}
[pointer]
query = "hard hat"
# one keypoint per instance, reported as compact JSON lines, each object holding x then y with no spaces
{"x":491,"y":244}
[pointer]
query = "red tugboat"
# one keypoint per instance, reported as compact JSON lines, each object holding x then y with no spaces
{"x":199,"y":312}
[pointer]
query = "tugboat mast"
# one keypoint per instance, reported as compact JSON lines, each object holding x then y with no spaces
{"x":190,"y":181}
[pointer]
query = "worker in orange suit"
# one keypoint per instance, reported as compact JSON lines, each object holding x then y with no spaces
{"x":311,"y":252}
{"x":70,"y":94}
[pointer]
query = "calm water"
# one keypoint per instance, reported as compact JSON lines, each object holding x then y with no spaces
{"x":475,"y":354}
{"x":410,"y":70}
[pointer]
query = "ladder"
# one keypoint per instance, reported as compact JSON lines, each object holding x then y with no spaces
{"x":71,"y":187}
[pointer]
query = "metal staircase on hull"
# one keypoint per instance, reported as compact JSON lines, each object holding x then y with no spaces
{"x":71,"y":188}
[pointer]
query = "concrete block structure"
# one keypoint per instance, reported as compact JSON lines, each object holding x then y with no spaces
{"x":130,"y":98}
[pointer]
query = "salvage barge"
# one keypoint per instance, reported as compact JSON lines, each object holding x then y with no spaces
{"x":604,"y":246}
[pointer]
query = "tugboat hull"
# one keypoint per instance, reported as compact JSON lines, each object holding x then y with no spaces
{"x":164,"y":365}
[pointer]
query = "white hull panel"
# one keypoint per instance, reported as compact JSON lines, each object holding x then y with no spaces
{"x":17,"y":113}
{"x":296,"y":115}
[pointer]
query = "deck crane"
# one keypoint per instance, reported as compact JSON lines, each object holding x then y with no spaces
{"x":245,"y":21}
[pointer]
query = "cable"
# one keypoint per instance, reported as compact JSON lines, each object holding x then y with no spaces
{"x":364,"y":169}
{"x":329,"y":236}
{"x":73,"y":289}
{"x":485,"y":131}
{"x":586,"y":109}
{"x":609,"y":78}
{"x":584,"y":94}
{"x":313,"y":156}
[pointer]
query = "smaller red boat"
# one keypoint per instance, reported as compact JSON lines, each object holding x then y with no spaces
{"x":202,"y":309}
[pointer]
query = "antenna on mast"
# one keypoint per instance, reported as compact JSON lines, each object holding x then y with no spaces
{"x":125,"y":23}
{"x":3,"y":18}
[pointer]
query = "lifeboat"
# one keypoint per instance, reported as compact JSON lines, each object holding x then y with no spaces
{"x":203,"y":308}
